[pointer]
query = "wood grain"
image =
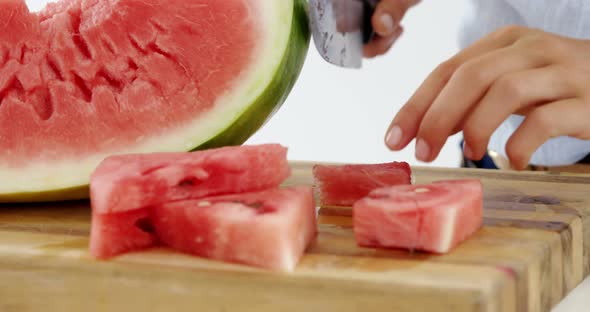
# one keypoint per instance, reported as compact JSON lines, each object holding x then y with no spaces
{"x":532,"y":251}
{"x":538,"y":276}
{"x":58,"y":275}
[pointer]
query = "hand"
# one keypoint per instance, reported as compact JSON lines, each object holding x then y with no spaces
{"x":386,"y":22}
{"x":516,"y":70}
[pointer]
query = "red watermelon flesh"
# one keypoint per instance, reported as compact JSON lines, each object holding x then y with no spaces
{"x":115,"y":65}
{"x":124,"y":187}
{"x":86,"y":79}
{"x":116,"y":233}
{"x":434,"y":217}
{"x":343,"y":185}
{"x":269,"y":229}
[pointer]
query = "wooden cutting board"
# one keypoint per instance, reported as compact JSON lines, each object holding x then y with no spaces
{"x":533,"y":250}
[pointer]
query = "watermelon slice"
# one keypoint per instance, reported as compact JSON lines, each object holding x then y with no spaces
{"x":124,"y":187}
{"x":343,"y":185}
{"x":128,"y":182}
{"x":269,"y":229}
{"x":434,"y":217}
{"x":86,"y":79}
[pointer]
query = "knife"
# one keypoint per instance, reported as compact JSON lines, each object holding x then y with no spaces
{"x":340,"y":29}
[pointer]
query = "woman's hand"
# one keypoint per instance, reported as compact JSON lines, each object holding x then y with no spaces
{"x":386,"y":22}
{"x":515,"y":70}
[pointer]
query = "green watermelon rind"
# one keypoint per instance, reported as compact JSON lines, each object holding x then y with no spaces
{"x":248,"y":123}
{"x":277,"y":91}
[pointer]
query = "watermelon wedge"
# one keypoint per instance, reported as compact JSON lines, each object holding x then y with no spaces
{"x":269,"y":229}
{"x":343,"y":185}
{"x":124,"y":187}
{"x":433,"y":218}
{"x":86,"y":79}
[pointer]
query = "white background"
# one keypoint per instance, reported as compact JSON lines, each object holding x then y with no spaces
{"x":341,"y":115}
{"x":336,"y":114}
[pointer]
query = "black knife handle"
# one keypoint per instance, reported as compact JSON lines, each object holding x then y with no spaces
{"x":369,"y":7}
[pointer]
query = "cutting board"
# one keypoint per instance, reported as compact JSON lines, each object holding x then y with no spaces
{"x":533,"y":250}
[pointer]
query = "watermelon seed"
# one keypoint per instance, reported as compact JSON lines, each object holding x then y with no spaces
{"x":23,"y":50}
{"x":204,"y":204}
{"x":190,"y":181}
{"x":260,"y":207}
{"x":421,"y":190}
{"x":136,"y":45}
{"x":81,"y":84}
{"x":145,"y":225}
{"x":115,"y":84}
{"x":81,"y":44}
{"x":255,"y":205}
{"x":158,"y":50}
{"x":132,"y":64}
{"x":53,"y":65}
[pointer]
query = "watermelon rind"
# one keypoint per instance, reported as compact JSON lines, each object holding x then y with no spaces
{"x":274,"y":78}
{"x":277,"y":91}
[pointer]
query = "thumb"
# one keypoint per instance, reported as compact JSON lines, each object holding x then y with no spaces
{"x":388,"y":15}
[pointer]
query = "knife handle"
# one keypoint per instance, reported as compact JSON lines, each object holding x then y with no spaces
{"x":369,"y":7}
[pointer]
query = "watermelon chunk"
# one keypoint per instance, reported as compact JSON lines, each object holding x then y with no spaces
{"x":86,"y":79}
{"x":433,"y":217}
{"x":124,"y":187}
{"x":128,"y":182}
{"x":269,"y":229}
{"x":343,"y":185}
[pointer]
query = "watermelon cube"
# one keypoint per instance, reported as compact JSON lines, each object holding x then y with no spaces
{"x":433,"y":217}
{"x":343,"y":185}
{"x":124,"y":187}
{"x":269,"y":229}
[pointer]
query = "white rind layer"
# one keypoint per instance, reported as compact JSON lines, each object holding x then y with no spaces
{"x":448,"y":231}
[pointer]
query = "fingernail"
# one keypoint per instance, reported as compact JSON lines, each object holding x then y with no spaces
{"x":394,"y":137}
{"x":467,"y":151}
{"x":422,"y":150}
{"x":388,"y":24}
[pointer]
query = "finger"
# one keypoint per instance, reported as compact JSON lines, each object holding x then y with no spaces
{"x":562,"y":118}
{"x":406,"y":123}
{"x":380,"y":45}
{"x":388,"y":15}
{"x":465,"y":89}
{"x":512,"y":93}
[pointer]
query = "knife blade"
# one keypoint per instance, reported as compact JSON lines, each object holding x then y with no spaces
{"x":340,"y":28}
